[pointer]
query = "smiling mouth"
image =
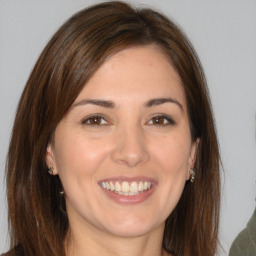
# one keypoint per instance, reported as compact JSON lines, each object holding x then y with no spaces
{"x":127,"y":188}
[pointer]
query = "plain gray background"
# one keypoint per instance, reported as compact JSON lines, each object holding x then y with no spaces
{"x":224,"y":35}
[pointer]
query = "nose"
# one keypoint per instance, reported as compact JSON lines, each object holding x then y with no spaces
{"x":130,"y":147}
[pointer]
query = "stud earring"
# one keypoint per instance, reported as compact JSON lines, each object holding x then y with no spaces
{"x":50,"y":170}
{"x":192,"y":175}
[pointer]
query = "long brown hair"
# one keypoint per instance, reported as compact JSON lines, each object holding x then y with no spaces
{"x":37,"y":217}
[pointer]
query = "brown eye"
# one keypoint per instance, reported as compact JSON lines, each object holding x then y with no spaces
{"x":94,"y":120}
{"x":158,"y":120}
{"x":161,"y":120}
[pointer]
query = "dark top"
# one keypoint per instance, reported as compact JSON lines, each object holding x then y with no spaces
{"x":245,"y":242}
{"x":17,"y":251}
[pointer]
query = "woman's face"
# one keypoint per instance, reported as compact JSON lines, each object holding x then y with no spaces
{"x":123,"y":151}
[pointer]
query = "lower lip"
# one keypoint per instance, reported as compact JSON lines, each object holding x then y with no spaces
{"x":135,"y":199}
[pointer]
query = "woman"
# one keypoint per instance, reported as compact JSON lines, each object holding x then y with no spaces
{"x":114,"y":150}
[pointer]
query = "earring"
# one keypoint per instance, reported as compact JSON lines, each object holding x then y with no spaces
{"x":50,"y":170}
{"x":192,"y":175}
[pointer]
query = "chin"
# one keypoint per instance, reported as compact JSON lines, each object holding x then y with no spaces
{"x":133,"y":227}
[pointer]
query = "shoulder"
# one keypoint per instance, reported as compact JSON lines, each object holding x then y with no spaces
{"x":17,"y":251}
{"x":242,"y":245}
{"x":245,"y":242}
{"x":10,"y":253}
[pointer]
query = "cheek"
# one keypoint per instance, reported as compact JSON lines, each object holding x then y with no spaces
{"x":77,"y":152}
{"x":172,"y":157}
{"x":173,"y":154}
{"x":77,"y":160}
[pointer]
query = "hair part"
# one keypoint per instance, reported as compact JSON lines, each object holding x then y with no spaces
{"x":37,"y":217}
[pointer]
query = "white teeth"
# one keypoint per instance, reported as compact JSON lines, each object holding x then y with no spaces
{"x":145,"y":185}
{"x":134,"y":187}
{"x":117,"y":187}
{"x":112,"y":187}
{"x":124,"y":188}
{"x":141,"y":187}
{"x":133,"y":193}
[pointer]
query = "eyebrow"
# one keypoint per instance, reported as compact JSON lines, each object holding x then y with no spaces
{"x":101,"y":103}
{"x":111,"y":104}
{"x":159,"y":101}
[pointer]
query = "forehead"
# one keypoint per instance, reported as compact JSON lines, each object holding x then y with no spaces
{"x":135,"y":73}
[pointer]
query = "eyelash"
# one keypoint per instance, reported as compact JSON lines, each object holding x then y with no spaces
{"x":167,"y":120}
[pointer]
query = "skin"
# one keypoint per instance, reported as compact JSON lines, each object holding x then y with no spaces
{"x":129,"y":139}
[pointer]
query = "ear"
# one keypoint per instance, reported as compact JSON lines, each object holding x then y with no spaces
{"x":192,"y":157}
{"x":50,"y":159}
